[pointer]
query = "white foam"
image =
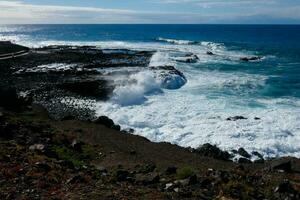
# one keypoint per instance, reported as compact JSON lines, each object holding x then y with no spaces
{"x":188,"y":117}
{"x":173,"y":41}
{"x":54,"y":67}
{"x":134,"y":89}
{"x":160,"y":59}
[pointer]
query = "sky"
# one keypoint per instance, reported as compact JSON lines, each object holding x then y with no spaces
{"x":149,"y":11}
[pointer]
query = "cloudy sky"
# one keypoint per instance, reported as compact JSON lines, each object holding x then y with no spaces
{"x":150,"y":11}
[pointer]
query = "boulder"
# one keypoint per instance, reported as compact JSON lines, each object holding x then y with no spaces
{"x":212,"y":151}
{"x":107,"y":122}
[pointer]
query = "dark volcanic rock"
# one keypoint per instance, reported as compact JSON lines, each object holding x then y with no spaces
{"x":253,"y":58}
{"x":147,"y":179}
{"x":255,"y":153}
{"x":244,"y":153}
{"x":171,"y":170}
{"x":284,"y":187}
{"x":11,"y":100}
{"x":280,"y":165}
{"x":93,"y":88}
{"x":122,"y":175}
{"x":6,"y":47}
{"x":235,"y":118}
{"x":244,"y":161}
{"x":107,"y":122}
{"x":213,"y":151}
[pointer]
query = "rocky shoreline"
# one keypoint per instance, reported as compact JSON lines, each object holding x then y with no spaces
{"x":53,"y":150}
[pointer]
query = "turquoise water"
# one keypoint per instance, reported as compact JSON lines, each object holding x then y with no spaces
{"x":217,"y":86}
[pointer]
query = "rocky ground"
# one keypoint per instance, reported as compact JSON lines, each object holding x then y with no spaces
{"x":41,"y":158}
{"x":45,"y":154}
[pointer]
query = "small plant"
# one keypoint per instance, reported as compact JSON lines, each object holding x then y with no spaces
{"x":69,"y":155}
{"x":185,"y":172}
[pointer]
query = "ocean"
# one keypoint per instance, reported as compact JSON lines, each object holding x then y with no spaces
{"x":266,"y":92}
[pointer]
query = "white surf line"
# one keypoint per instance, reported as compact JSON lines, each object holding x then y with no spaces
{"x":14,"y":55}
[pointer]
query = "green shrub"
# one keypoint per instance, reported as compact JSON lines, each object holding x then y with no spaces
{"x":185,"y":172}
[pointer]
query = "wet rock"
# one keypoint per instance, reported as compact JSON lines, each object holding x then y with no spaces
{"x":171,"y":170}
{"x":244,"y":153}
{"x":235,"y":118}
{"x":210,"y":53}
{"x":171,"y":78}
{"x":253,"y":58}
{"x":189,"y":58}
{"x":285,"y":166}
{"x":255,"y":153}
{"x":257,"y":118}
{"x":212,"y":151}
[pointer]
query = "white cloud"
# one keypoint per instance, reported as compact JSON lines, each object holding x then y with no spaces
{"x":18,"y":12}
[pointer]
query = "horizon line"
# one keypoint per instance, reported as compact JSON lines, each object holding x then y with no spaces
{"x":297,"y":24}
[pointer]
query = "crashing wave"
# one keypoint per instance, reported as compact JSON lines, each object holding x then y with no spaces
{"x":133,"y":90}
{"x":173,"y":41}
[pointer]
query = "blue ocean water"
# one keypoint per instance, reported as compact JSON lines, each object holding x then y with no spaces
{"x":217,"y":86}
